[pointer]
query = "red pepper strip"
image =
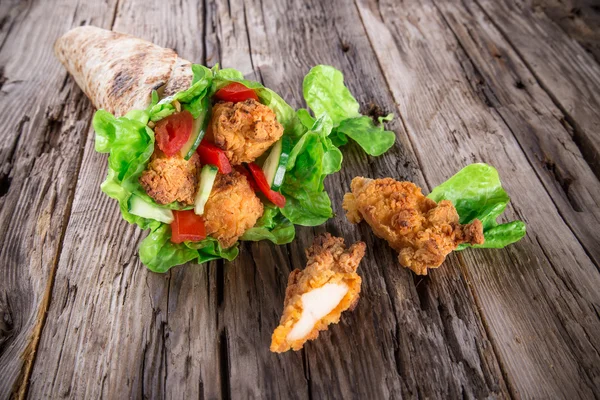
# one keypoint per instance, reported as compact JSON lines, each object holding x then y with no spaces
{"x":235,"y":92}
{"x":259,"y":177}
{"x":187,"y":226}
{"x":211,"y":154}
{"x":244,"y":171}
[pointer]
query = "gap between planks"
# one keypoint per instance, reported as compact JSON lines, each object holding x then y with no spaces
{"x":29,"y":355}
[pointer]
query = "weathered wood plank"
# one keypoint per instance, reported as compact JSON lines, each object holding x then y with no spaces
{"x":44,"y":121}
{"x":114,"y":329}
{"x":407,"y":337}
{"x":11,"y":12}
{"x":539,"y":297}
{"x":580,"y":19}
{"x":560,"y":65}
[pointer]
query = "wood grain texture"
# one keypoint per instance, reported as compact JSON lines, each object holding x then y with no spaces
{"x":468,"y":80}
{"x":560,"y":65}
{"x":580,"y":19}
{"x":115,"y":329}
{"x":44,"y":122}
{"x":538,"y":297}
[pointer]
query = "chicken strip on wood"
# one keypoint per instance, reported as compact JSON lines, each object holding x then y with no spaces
{"x":245,"y":130}
{"x":423,"y":232}
{"x":232,"y":208}
{"x":317,"y":296}
{"x":168,"y":179}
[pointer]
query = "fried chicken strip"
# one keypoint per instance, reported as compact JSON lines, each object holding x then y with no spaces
{"x":423,"y":232}
{"x":232,"y":208}
{"x":245,"y":130}
{"x":317,"y":296}
{"x":168,"y":179}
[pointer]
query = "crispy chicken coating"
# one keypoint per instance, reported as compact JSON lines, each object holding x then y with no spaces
{"x":168,"y":179}
{"x":317,"y":296}
{"x":423,"y":232}
{"x":231,"y":209}
{"x":245,"y":130}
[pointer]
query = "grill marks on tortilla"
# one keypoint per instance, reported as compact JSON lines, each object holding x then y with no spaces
{"x":124,"y":79}
{"x":117,"y":71}
{"x":180,"y":79}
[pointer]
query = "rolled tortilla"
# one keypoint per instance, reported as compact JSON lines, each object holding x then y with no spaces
{"x":117,"y":71}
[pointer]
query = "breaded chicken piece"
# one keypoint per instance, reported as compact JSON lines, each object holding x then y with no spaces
{"x":423,"y":232}
{"x":317,"y":296}
{"x":245,"y":130}
{"x":168,"y":179}
{"x":232,"y":208}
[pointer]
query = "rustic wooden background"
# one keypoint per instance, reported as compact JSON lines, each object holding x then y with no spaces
{"x":513,"y":83}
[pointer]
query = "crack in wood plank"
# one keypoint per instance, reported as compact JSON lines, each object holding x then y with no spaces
{"x":29,"y":355}
{"x":224,"y":365}
{"x":467,"y":275}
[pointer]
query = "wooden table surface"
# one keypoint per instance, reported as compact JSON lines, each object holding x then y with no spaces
{"x":515,"y":84}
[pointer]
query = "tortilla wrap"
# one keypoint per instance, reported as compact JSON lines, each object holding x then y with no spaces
{"x":117,"y":71}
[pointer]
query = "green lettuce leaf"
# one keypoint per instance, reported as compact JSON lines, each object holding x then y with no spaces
{"x":130,"y":144}
{"x":326,"y":94}
{"x":191,"y":98}
{"x":271,"y":226}
{"x":374,"y":140}
{"x":477,"y":193}
{"x":159,"y":254}
{"x":312,"y":158}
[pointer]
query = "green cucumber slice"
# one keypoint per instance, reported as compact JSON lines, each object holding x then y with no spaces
{"x":141,"y":208}
{"x":198,"y":131}
{"x":207,"y":179}
{"x":274,"y":165}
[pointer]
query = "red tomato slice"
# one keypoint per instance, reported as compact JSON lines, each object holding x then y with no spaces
{"x":187,"y":226}
{"x":244,"y":171}
{"x":211,"y":154}
{"x":173,"y":132}
{"x":235,"y":92}
{"x":259,"y":177}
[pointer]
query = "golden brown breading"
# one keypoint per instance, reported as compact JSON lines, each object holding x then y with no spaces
{"x":231,"y":209}
{"x":422,"y":231}
{"x":245,"y":130}
{"x":329,"y":263}
{"x":168,"y":179}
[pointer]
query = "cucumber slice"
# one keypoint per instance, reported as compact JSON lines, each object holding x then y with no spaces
{"x":198,"y":131}
{"x":141,"y":208}
{"x":274,"y":165}
{"x":207,"y":179}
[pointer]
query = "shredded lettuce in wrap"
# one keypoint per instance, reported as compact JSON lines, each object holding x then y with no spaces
{"x":315,"y":154}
